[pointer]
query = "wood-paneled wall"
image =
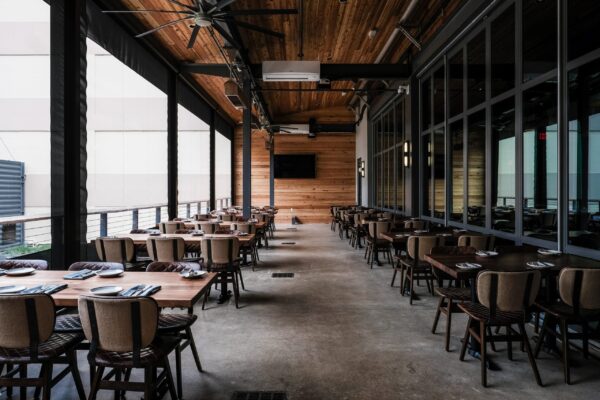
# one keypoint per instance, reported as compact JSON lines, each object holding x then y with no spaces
{"x":310,"y":199}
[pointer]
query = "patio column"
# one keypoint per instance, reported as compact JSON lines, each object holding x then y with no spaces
{"x":172,"y":131}
{"x":247,"y":153}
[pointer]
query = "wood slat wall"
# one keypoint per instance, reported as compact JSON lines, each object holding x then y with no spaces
{"x":309,"y":198}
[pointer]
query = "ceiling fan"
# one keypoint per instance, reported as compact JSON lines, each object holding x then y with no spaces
{"x":208,"y":13}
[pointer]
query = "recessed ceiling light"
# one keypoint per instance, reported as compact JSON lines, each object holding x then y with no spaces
{"x":372,"y":33}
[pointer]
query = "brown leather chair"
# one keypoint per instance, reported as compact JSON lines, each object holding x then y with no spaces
{"x":479,"y":242}
{"x":13,"y":263}
{"x":250,"y":246}
{"x":166,"y":248}
{"x":170,"y":226}
{"x":119,"y":250}
{"x":375,"y":244}
{"x":415,"y":224}
{"x":221,"y":255}
{"x":414,"y":267}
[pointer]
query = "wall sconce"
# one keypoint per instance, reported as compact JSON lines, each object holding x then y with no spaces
{"x":362,"y":169}
{"x":406,"y":154}
{"x":429,"y":154}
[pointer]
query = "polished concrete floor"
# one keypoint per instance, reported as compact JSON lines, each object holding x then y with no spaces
{"x":337,"y":330}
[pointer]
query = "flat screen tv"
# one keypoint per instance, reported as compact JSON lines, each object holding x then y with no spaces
{"x":295,"y":166}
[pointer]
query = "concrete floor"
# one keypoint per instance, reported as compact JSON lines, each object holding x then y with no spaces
{"x":337,"y":330}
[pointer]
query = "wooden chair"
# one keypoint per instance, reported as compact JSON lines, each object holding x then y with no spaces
{"x":221,"y":255}
{"x":579,"y":291}
{"x":12,"y":264}
{"x":479,"y":242}
{"x":208,"y":227}
{"x":449,"y":296}
{"x":118,"y":250}
{"x":166,"y":249}
{"x":170,"y":226}
{"x":178,"y":324}
{"x":414,"y":224}
{"x":27,"y":337}
{"x":227,"y":217}
{"x":414,"y":267}
{"x":375,"y":244}
{"x":123,"y":336}
{"x":504,"y":301}
{"x":251,"y":246}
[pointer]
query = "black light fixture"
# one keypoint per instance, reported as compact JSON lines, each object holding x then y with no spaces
{"x":406,"y":154}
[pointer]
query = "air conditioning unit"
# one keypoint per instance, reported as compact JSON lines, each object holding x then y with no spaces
{"x":291,"y":71}
{"x":234,"y":94}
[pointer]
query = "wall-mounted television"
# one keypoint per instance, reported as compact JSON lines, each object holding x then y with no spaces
{"x":295,"y":166}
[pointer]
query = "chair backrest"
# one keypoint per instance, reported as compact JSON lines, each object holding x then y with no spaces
{"x":260,"y":217}
{"x":359,"y":217}
{"x":122,"y":324}
{"x":228,"y":217}
{"x":508,"y":291}
{"x":376,"y":228}
{"x":420,"y":246}
{"x":220,"y":250}
{"x":202,"y":217}
{"x":244,"y":227}
{"x":95,"y":265}
{"x":183,"y":231}
{"x":208,"y":226}
{"x":170,"y":226}
{"x":480,"y":242}
{"x":119,"y":250}
{"x":175,"y":266}
{"x":165,"y":248}
{"x":414,"y":224}
{"x":580,"y":288}
{"x":453,"y":250}
{"x":11,"y":264}
{"x":26,"y":321}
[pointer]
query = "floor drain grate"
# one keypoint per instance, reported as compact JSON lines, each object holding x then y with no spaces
{"x":282,"y":275}
{"x":259,"y":396}
{"x":291,"y":243}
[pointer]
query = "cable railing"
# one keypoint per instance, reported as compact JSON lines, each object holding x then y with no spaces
{"x":21,"y":235}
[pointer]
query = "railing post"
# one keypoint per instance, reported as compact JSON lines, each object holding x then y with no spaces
{"x":135,"y":215}
{"x":103,"y":224}
{"x":188,"y":209}
{"x":157,"y":218}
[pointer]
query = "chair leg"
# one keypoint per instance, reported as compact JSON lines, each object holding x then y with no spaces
{"x":525,"y":339}
{"x":23,"y":375}
{"x":178,"y":376}
{"x":99,"y":372}
{"x":465,"y":342}
{"x":169,"y":377}
{"x":509,"y":343}
{"x":483,"y":352}
{"x":72,"y":358}
{"x":410,"y":274}
{"x":541,"y":336}
{"x":205,"y":297}
{"x":394,"y":277}
{"x":448,"y":324}
{"x":564,"y":329}
{"x":236,"y":291}
{"x":241,"y":278}
{"x":188,"y":332}
{"x":47,"y":381}
{"x":437,"y":314}
{"x":149,"y":388}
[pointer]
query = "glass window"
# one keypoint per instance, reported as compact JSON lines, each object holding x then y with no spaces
{"x":426,"y":104}
{"x":458,"y":171}
{"x":476,"y":169}
{"x":25,"y":126}
{"x":476,"y":68}
{"x":503,"y":164}
{"x":583,"y":17}
{"x":223,"y":170}
{"x":438,"y":96}
{"x":584,"y":163}
{"x":503,"y":52}
{"x":427,"y":181}
{"x":540,"y":161}
{"x":193,"y":163}
{"x":126,"y":146}
{"x":455,"y":84}
{"x":439,"y":173}
{"x":539,"y":37}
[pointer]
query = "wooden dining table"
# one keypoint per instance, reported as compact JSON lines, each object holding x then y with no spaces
{"x":140,"y":238}
{"x":175,"y":291}
{"x":224,"y":224}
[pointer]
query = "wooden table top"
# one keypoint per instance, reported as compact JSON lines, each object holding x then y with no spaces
{"x":175,"y":290}
{"x":505,"y":262}
{"x":193,"y":224}
{"x":402,"y":236}
{"x":140,"y":238}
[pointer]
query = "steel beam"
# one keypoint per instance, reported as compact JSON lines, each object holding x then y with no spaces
{"x":247,"y":155}
{"x":172,"y":129}
{"x":212,"y":168}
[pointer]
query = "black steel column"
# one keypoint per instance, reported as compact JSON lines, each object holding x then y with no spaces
{"x":68,"y":108}
{"x":212,"y":202}
{"x":272,"y":173}
{"x":247,"y":154}
{"x":172,"y":130}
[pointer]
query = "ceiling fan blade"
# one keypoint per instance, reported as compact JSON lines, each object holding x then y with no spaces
{"x":260,"y":11}
{"x":145,"y":11}
{"x":195,"y":32}
{"x":182,"y":5}
{"x":163,"y":26}
{"x":260,"y":29}
{"x":226,"y":36}
{"x":220,"y":4}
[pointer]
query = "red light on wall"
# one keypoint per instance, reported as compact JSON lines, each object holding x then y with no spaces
{"x":542,"y":136}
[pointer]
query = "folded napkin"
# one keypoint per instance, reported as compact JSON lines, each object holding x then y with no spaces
{"x":47,"y":289}
{"x":80,"y":275}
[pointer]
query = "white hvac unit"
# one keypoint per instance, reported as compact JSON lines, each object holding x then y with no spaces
{"x":291,"y":71}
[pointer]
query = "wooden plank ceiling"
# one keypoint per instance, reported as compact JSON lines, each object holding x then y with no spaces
{"x":326,"y":30}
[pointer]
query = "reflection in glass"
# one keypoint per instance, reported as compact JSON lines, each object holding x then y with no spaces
{"x":438,"y":96}
{"x":458,"y":171}
{"x":539,"y":37}
{"x":540,"y":161}
{"x":584,"y":160}
{"x":476,"y":169}
{"x":426,"y":104}
{"x":503,"y":51}
{"x":476,"y":70}
{"x":455,"y":84}
{"x":582,"y":27}
{"x":503,"y":164}
{"x":427,"y":182}
{"x":439,"y":174}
